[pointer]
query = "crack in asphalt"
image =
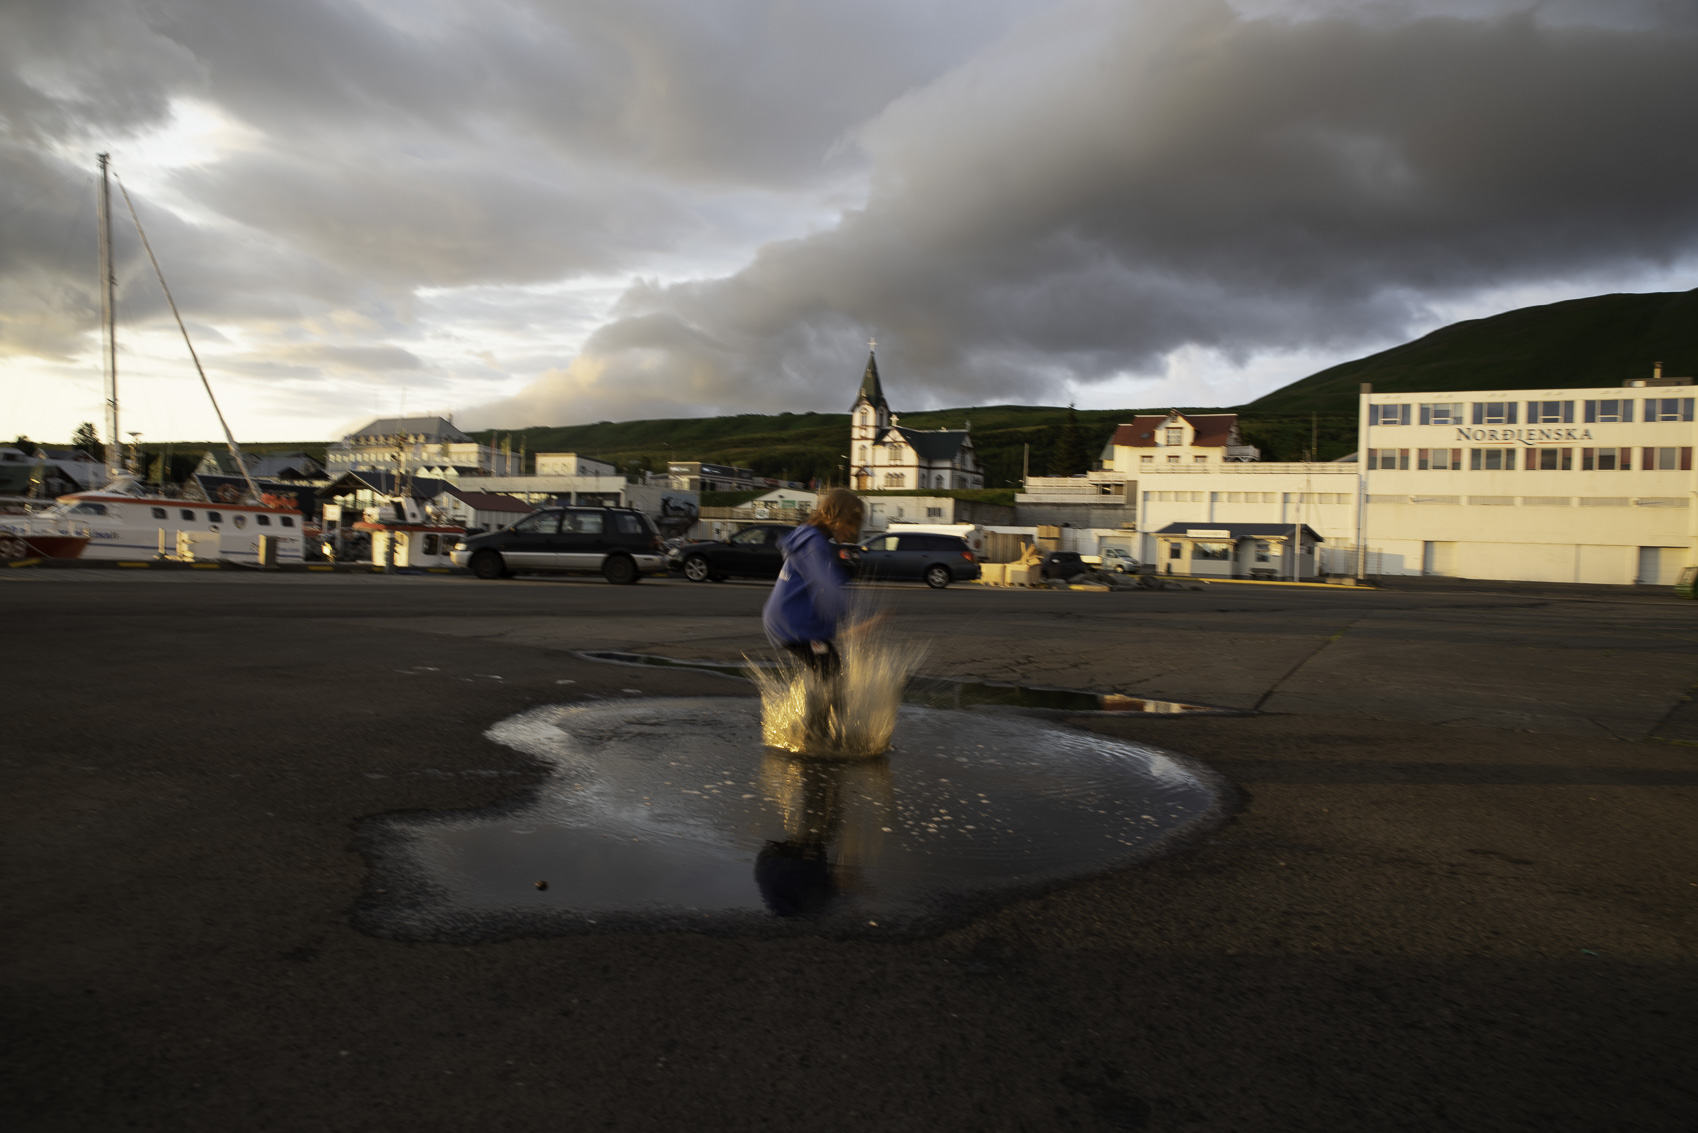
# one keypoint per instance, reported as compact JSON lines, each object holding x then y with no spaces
{"x":1316,"y":652}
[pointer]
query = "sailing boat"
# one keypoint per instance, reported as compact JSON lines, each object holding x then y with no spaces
{"x":125,"y":519}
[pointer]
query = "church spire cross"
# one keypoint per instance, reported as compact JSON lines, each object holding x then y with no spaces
{"x":872,"y":344}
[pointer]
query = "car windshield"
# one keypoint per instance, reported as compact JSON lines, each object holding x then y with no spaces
{"x":753,"y":537}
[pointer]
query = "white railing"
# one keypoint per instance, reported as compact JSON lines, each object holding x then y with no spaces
{"x":1287,"y":468}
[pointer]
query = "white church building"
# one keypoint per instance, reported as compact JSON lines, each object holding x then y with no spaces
{"x":885,"y":455}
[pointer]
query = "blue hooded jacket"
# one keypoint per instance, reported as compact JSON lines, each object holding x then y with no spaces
{"x":809,"y":599}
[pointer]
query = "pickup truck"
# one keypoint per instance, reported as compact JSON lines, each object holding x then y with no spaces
{"x":1117,"y":559}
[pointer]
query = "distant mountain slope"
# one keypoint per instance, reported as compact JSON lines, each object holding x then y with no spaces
{"x":1600,"y":341}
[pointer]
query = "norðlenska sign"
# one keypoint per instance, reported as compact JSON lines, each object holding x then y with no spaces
{"x":1525,"y":436}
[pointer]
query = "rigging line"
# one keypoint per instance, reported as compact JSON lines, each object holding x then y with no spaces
{"x":229,"y":438}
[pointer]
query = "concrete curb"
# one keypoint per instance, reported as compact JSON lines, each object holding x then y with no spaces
{"x":173,"y":564}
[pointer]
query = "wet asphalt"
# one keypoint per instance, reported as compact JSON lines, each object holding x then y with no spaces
{"x":1458,"y":891}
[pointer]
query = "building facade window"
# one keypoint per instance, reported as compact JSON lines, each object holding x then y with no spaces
{"x":1494,"y":412}
{"x":893,"y":479}
{"x":1491,"y":459}
{"x":1173,"y":436}
{"x":1389,"y":459}
{"x":1550,"y":412}
{"x":1666,"y":459}
{"x":1441,"y":413}
{"x":1609,"y":410}
{"x":1439,"y":459}
{"x":1606,"y":459}
{"x":1173,"y":460}
{"x":1550,"y":460}
{"x":1668,"y":409}
{"x":1199,"y":460}
{"x":1211,"y":552}
{"x":1388,"y":414}
{"x":1146,"y":460}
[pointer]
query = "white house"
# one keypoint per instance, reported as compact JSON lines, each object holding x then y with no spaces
{"x":1153,"y":441}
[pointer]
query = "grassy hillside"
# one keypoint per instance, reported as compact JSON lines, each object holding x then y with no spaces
{"x":1600,"y":341}
{"x":804,"y":446}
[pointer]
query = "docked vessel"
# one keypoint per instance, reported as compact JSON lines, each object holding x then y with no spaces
{"x":127,"y":519}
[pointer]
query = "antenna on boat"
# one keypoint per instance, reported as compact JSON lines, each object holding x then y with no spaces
{"x":108,"y":326}
{"x":229,"y":437}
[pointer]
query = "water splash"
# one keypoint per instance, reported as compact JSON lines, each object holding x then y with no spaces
{"x":850,"y":715}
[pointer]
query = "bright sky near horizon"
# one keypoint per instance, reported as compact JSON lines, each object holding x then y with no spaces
{"x":544,"y":212}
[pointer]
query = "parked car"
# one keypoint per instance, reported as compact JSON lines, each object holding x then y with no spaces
{"x":618,"y":542}
{"x":936,"y":560}
{"x":751,"y":553}
{"x":1062,"y":565}
{"x":1119,"y":560}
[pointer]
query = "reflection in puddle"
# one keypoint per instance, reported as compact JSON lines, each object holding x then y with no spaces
{"x":671,"y":813}
{"x":946,"y":692}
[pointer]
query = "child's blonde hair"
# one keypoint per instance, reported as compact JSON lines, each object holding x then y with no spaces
{"x":838,"y":508}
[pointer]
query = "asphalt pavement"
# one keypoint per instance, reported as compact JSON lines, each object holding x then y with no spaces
{"x":1458,"y":890}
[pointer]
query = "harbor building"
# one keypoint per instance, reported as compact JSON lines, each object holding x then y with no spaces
{"x":1556,"y":485}
{"x":1592,"y":485}
{"x":422,"y":446}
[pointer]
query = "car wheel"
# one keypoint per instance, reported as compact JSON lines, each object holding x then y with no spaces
{"x":1118,"y":569}
{"x":488,"y":565}
{"x":696,"y":569}
{"x":937,"y":577}
{"x":620,"y":570}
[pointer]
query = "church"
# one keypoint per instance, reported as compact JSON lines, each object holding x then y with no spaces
{"x":886,"y":456}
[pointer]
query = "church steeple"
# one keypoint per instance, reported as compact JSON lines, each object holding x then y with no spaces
{"x":871,"y":391}
{"x":869,"y":417}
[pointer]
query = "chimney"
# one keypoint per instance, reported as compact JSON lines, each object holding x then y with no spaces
{"x":1656,"y":371}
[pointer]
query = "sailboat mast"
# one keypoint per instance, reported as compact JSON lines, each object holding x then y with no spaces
{"x":108,"y":325}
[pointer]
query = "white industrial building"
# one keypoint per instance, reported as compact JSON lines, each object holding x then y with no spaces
{"x":1557,"y":485}
{"x":1588,"y":485}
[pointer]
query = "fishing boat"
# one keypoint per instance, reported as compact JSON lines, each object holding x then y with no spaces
{"x":128,"y":519}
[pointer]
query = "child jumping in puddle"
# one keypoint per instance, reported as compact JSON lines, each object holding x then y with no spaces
{"x":808,"y":605}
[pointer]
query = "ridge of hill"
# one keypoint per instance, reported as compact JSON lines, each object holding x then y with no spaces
{"x":1601,"y":340}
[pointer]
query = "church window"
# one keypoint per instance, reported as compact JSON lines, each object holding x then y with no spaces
{"x":863,"y":454}
{"x":893,"y":479}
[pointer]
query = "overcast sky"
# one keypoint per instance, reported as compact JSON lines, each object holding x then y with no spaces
{"x":540,"y":212}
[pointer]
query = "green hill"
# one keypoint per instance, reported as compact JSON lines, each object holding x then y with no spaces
{"x":1599,"y":341}
{"x":805,"y":446}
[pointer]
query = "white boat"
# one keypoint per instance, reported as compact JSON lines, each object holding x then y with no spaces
{"x":125,"y":519}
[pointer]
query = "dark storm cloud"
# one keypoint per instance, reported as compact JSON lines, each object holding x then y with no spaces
{"x":1122,"y":180}
{"x":1019,"y":197}
{"x":391,"y":147}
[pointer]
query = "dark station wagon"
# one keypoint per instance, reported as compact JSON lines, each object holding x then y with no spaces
{"x":936,"y":560}
{"x":619,"y":543}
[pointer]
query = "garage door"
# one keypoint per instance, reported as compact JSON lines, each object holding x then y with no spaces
{"x":1660,"y":566}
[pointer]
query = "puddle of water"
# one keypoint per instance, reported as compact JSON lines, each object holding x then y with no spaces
{"x":671,"y":813}
{"x":947,"y":692}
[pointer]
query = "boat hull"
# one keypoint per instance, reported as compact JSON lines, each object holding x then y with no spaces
{"x":50,"y":546}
